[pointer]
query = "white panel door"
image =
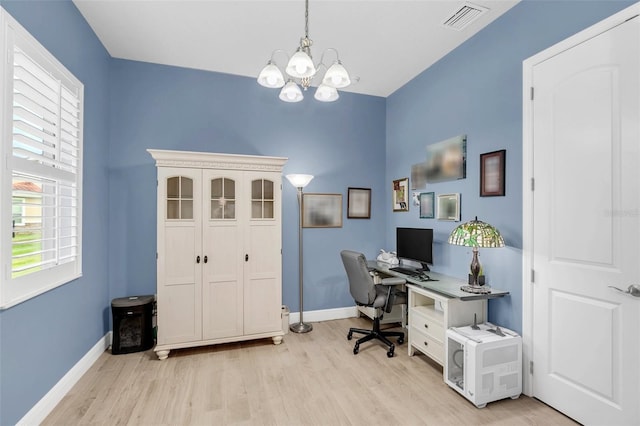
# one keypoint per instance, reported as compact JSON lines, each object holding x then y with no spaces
{"x":263,"y":257}
{"x":179,"y":248}
{"x":223,"y":229}
{"x":586,"y":228}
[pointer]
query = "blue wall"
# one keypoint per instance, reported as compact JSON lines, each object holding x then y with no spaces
{"x":360,"y":141}
{"x":477,"y":90}
{"x":41,"y":339}
{"x":341,"y":144}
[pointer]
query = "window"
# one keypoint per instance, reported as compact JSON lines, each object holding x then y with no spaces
{"x":41,"y":134}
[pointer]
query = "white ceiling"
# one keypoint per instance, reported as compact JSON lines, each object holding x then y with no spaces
{"x":384,"y":44}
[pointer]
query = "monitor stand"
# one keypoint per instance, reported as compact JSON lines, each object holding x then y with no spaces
{"x":425,"y":267}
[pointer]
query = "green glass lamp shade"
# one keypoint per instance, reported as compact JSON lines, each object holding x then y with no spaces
{"x":475,"y":233}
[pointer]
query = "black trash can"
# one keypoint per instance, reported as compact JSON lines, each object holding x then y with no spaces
{"x":132,"y":324}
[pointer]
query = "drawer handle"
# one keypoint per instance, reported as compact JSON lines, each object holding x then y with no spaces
{"x":426,"y":343}
{"x":426,"y":326}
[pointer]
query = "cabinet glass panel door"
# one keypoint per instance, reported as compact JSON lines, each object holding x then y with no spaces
{"x":179,"y":197}
{"x":223,"y":198}
{"x":262,"y":199}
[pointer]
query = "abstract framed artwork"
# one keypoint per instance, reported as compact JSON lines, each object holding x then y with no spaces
{"x":400,"y":193}
{"x":492,"y":171}
{"x":449,"y":207}
{"x":447,"y":160}
{"x":359,"y":203}
{"x":427,"y":205}
{"x":321,"y":210}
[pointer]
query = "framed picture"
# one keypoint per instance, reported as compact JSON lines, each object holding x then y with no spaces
{"x":492,"y":167}
{"x":427,"y":205}
{"x":447,"y":160}
{"x":401,"y":195}
{"x":359,"y":203}
{"x":321,"y":210}
{"x":449,"y":207}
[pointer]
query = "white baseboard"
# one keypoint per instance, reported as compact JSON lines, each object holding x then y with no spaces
{"x":41,"y":410}
{"x":324,"y":315}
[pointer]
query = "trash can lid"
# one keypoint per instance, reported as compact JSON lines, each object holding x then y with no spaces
{"x":127,"y":302}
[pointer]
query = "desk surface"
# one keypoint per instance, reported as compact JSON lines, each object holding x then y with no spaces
{"x":445,"y":285}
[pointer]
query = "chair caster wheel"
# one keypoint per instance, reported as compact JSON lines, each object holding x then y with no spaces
{"x":391,"y":350}
{"x":400,"y":340}
{"x":350,"y":336}
{"x":356,"y":349}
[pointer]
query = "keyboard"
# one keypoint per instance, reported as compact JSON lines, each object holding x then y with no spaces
{"x":417,"y":275}
{"x":405,"y":271}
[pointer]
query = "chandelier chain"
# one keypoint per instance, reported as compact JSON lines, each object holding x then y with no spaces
{"x":306,"y":18}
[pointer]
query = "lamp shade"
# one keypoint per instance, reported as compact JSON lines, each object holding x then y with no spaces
{"x":299,"y":181}
{"x":291,"y":92}
{"x":271,"y":76}
{"x":300,"y":65}
{"x":326,"y":93}
{"x":476,"y":233}
{"x":336,"y":76}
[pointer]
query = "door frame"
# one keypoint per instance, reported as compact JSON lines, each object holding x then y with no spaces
{"x":527,"y":175}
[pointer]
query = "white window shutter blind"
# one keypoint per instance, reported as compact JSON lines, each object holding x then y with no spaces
{"x":44,"y":155}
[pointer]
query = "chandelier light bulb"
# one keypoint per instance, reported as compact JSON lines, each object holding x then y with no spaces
{"x":271,"y":76}
{"x":337,"y":76}
{"x":300,"y":65}
{"x":326,"y":93}
{"x":291,"y":92}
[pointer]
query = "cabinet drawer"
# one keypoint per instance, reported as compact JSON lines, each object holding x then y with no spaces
{"x":427,"y":345}
{"x":427,"y":325}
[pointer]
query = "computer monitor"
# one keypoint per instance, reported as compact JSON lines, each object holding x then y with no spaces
{"x":415,"y":244}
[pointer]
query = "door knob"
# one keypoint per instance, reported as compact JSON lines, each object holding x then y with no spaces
{"x":198,"y":259}
{"x":633,"y":289}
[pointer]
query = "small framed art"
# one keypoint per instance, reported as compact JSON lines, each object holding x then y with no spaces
{"x":358,"y":203}
{"x":401,"y":195}
{"x":427,"y":205}
{"x":492,"y":168}
{"x":321,"y":210}
{"x":449,"y":207}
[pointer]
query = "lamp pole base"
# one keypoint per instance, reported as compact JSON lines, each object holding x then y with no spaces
{"x":301,"y":327}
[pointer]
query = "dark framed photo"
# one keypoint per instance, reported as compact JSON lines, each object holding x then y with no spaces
{"x":427,"y":205}
{"x":401,"y":195}
{"x":359,"y":203}
{"x":492,"y":171}
{"x":321,"y":210}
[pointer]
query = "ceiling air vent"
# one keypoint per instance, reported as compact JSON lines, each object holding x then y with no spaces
{"x":464,"y":16}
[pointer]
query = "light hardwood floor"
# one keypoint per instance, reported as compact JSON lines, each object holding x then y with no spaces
{"x":310,"y":379}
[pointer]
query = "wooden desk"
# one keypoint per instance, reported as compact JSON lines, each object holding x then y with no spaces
{"x":435,"y":306}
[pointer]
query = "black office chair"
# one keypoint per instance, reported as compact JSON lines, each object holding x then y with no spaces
{"x":381,"y":297}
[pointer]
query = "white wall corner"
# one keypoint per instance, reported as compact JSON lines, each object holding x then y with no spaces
{"x":43,"y":408}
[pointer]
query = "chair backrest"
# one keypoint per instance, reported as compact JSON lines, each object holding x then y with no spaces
{"x":361,"y":283}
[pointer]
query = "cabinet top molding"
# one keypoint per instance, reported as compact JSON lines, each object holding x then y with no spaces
{"x":210,"y":160}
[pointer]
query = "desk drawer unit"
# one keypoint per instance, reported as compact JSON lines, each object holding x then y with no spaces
{"x":427,"y":344}
{"x":431,"y":314}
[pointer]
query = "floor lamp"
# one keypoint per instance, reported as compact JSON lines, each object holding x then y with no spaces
{"x":300,"y":181}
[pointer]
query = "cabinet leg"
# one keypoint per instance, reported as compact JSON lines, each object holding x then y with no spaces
{"x":277,"y":340}
{"x":162,"y":354}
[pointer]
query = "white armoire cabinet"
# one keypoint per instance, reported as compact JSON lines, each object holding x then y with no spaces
{"x":219,"y":256}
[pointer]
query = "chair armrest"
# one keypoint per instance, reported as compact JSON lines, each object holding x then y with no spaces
{"x":393,"y":281}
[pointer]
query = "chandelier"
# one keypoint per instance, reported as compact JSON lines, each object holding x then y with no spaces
{"x":301,"y":71}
